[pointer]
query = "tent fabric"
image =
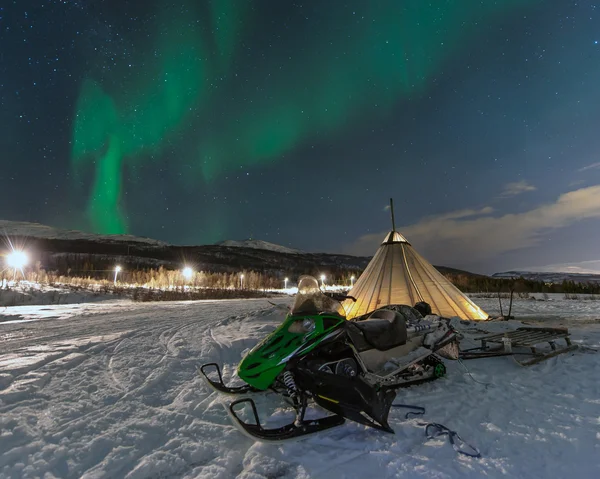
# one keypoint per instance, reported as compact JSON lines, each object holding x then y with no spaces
{"x":397,"y":274}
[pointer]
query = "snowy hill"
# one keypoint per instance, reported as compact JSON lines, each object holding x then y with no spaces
{"x":63,"y":250}
{"x":36,"y":230}
{"x":259,"y":244}
{"x":550,"y":277}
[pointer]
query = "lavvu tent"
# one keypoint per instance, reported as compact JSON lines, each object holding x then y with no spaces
{"x":397,"y":274}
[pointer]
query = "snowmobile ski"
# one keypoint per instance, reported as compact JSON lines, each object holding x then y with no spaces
{"x":292,"y":431}
{"x":220,"y":386}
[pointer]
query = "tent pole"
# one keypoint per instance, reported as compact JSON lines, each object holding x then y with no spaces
{"x":512,"y":290}
{"x":500,"y":301}
{"x":392,"y":210}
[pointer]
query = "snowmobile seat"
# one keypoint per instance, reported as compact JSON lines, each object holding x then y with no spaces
{"x":383,"y":329}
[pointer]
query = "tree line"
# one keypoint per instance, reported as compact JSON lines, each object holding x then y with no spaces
{"x":101,"y":271}
{"x":487,"y":284}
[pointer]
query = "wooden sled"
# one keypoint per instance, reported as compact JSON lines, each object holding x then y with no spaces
{"x":522,"y":338}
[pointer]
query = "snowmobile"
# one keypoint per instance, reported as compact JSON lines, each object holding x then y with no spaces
{"x":351,"y":368}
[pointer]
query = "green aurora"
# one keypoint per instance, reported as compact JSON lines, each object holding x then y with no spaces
{"x":316,"y":79}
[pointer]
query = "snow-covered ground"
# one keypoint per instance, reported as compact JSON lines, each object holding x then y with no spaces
{"x":20,"y":293}
{"x":111,"y":390}
{"x":29,"y":293}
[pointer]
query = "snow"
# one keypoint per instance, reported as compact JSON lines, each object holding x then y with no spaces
{"x":28,"y":293}
{"x":259,"y":244}
{"x":111,"y":390}
{"x":36,"y":230}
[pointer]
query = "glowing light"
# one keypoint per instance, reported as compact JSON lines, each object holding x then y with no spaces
{"x":322,"y":280}
{"x":352,"y":280}
{"x":187,"y":273}
{"x":17,"y":260}
{"x":285,"y":283}
{"x":117,"y":271}
{"x":124,"y":119}
{"x":241,"y":280}
{"x":113,"y":127}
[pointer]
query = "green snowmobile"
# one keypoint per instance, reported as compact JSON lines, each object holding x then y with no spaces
{"x":350,"y":368}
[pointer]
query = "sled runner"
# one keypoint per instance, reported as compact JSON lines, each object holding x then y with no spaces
{"x":525,"y":341}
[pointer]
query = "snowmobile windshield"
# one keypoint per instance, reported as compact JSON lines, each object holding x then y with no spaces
{"x":311,"y":300}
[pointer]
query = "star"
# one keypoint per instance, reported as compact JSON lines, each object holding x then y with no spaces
{"x":198,"y":102}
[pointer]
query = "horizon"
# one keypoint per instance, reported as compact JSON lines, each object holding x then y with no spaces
{"x":551,"y":269}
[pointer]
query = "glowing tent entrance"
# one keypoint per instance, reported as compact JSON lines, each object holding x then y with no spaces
{"x":397,"y":274}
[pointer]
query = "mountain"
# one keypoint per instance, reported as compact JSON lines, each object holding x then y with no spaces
{"x":76,"y":252}
{"x":36,"y":230}
{"x":550,"y":277}
{"x":259,"y":244}
{"x":446,"y":270}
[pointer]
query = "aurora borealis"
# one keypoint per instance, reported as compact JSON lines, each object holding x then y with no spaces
{"x":362,"y":63}
{"x":197,"y":121}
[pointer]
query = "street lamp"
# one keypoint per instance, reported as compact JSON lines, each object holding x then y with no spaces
{"x":17,"y":260}
{"x":351,"y":281}
{"x":322,"y":280}
{"x":285,"y":280}
{"x":117,"y":271}
{"x":241,"y":281}
{"x":187,"y":273}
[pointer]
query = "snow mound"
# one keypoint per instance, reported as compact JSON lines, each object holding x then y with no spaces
{"x":259,"y":244}
{"x":37,"y":230}
{"x":26,"y":293}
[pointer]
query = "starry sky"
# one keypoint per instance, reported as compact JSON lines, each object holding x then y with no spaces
{"x":294,"y":122}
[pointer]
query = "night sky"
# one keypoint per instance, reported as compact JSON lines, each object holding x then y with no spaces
{"x":295,"y":122}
